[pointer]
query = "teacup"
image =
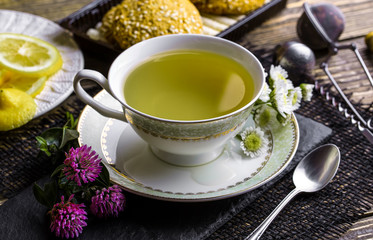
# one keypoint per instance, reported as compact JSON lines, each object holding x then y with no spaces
{"x":176,"y":141}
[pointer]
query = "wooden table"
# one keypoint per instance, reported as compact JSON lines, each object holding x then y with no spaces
{"x":277,"y":30}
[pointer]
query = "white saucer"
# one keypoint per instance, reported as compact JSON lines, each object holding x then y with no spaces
{"x":60,"y":85}
{"x":133,"y":166}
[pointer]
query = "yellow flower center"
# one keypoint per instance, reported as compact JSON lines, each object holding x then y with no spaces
{"x":253,"y":142}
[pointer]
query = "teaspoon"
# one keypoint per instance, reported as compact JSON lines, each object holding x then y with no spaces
{"x":312,"y":174}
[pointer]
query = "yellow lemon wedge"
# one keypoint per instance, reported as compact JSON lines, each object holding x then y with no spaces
{"x":32,"y":86}
{"x":28,"y":56}
{"x":16,"y":108}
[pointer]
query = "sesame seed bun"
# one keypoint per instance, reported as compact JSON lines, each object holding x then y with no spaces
{"x":133,"y":21}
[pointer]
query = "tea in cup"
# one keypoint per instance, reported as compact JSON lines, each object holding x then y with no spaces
{"x":185,"y":95}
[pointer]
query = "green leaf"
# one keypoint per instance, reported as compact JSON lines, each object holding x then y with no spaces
{"x":58,"y":157}
{"x":63,"y":180}
{"x":67,"y":136}
{"x":46,"y":197}
{"x":51,"y":191}
{"x":55,"y":141}
{"x":40,"y":196}
{"x":57,"y":170}
{"x":53,"y":136}
{"x":41,"y":140}
{"x":71,"y":123}
{"x":43,"y":145}
{"x":104,"y":176}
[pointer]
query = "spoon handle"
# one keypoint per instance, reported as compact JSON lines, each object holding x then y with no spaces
{"x":257,"y":233}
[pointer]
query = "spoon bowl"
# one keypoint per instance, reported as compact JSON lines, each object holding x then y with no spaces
{"x":312,"y":174}
{"x":317,"y":169}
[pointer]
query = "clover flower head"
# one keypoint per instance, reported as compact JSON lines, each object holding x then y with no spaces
{"x":108,"y":202}
{"x":307,"y":91}
{"x":82,"y":165}
{"x":253,"y":143}
{"x":67,"y":218}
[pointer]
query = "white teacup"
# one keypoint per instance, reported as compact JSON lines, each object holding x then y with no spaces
{"x":183,"y":143}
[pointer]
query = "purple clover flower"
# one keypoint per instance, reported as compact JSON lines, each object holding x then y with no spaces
{"x":108,"y":202}
{"x":67,"y":219}
{"x":82,"y":165}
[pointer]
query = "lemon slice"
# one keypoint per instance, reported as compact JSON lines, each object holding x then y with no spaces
{"x":28,"y":56}
{"x":35,"y":87}
{"x":31,"y":86}
{"x":16,"y":108}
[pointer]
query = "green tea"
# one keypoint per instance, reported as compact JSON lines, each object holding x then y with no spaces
{"x":188,"y":85}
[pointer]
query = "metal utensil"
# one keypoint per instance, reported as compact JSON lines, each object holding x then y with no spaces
{"x":329,"y":97}
{"x":312,"y":174}
{"x":326,"y":37}
{"x":298,"y":59}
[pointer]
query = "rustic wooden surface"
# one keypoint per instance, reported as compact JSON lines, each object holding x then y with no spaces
{"x":279,"y":29}
{"x":344,"y":67}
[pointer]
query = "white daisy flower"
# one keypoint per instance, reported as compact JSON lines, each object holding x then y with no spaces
{"x":253,"y":143}
{"x":281,"y":102}
{"x":263,"y":115}
{"x":279,"y":78}
{"x":307,"y":91}
{"x":294,"y":98}
{"x":277,"y":72}
{"x":265,"y":94}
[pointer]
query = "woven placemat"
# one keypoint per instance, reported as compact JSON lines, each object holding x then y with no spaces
{"x":323,"y":215}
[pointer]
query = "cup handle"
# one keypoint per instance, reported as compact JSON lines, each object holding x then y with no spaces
{"x":97,"y":77}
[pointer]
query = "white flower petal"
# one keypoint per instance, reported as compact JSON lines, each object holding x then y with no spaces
{"x":279,"y":78}
{"x":295,"y":98}
{"x":277,"y":72}
{"x":265,"y":94}
{"x":282,"y":103}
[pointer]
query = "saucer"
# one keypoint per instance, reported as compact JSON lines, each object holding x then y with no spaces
{"x":133,"y":166}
